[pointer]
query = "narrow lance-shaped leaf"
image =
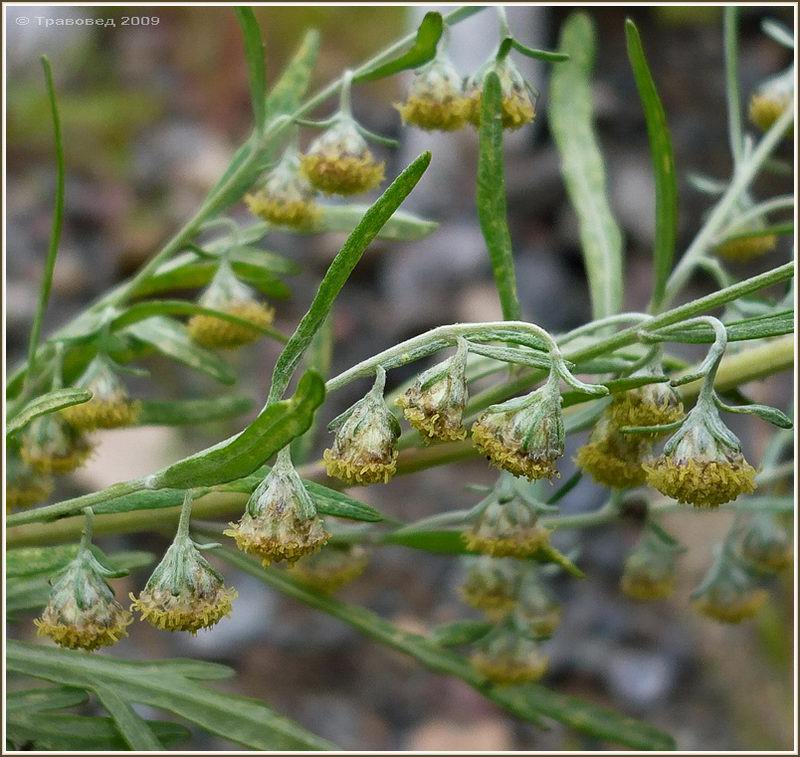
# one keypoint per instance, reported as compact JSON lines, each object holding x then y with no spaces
{"x":187,"y":412}
{"x":765,"y":412}
{"x":582,"y":164}
{"x":39,"y":700}
{"x":284,"y":97}
{"x":256,"y":67}
{"x":422,"y":51}
{"x":549,"y":56}
{"x":134,"y":730}
{"x":339,"y":271}
{"x":663,"y":161}
{"x":491,"y":198}
{"x":51,"y":402}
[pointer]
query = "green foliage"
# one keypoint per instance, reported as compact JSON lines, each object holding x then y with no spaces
{"x":51,"y":402}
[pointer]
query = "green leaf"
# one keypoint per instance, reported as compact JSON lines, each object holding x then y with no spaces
{"x":339,"y":271}
{"x":239,"y":719}
{"x":170,"y":338}
{"x":284,"y":97}
{"x":185,"y":412}
{"x":757,"y":327}
{"x":51,"y":402}
{"x":78,"y":733}
{"x":460,"y":632}
{"x":546,"y":55}
{"x":779,"y":229}
{"x":528,"y":702}
{"x":421,"y":52}
{"x":240,"y":455}
{"x":332,"y":502}
{"x":256,"y":66}
{"x":136,"y":733}
{"x":582,"y":164}
{"x":40,"y":700}
{"x":765,"y":412}
{"x":491,"y":198}
{"x":663,"y":162}
{"x":402,"y":226}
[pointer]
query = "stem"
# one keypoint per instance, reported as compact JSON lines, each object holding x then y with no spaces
{"x":502,"y":19}
{"x":345,"y":106}
{"x":186,"y":515}
{"x":57,"y":225}
{"x":731,"y":40}
{"x":611,"y":320}
{"x":721,"y":212}
{"x":784,"y":202}
{"x":88,"y":526}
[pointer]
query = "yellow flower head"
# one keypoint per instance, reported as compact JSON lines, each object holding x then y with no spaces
{"x":435,"y":404}
{"x":286,"y":198}
{"x":524,"y":436}
{"x":51,"y":445}
{"x":436,"y":100}
{"x":650,"y":568}
{"x":491,"y":585}
{"x":227,"y":294}
{"x":770,"y":100}
{"x":518,"y":105}
{"x":364,"y":449}
{"x":507,"y":656}
{"x":280,"y":521}
{"x":82,"y":612}
{"x":507,"y":522}
{"x":729,"y":592}
{"x":702,"y":464}
{"x":756,"y":243}
{"x":339,"y":161}
{"x":25,"y":487}
{"x":184,"y":593}
{"x":767,"y":544}
{"x":614,"y":459}
{"x":331,"y":568}
{"x":110,"y":405}
{"x":537,"y":611}
{"x":648,"y":405}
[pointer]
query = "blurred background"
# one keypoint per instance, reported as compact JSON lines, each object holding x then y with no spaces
{"x":151,"y":115}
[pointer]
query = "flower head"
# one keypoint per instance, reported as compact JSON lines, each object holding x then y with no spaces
{"x":184,"y":593}
{"x":648,"y":405}
{"x":771,"y":99}
{"x":766,"y":544}
{"x":508,"y":656}
{"x":517,"y":105}
{"x":286,"y":198}
{"x":51,"y":445}
{"x":729,"y":593}
{"x":110,"y":405}
{"x":339,"y":161}
{"x":702,"y":464}
{"x":82,"y":612}
{"x":435,"y":404}
{"x":506,"y":523}
{"x":524,"y":436}
{"x":491,"y":585}
{"x":280,"y":521}
{"x":614,"y":459}
{"x":749,"y":241}
{"x":25,"y":487}
{"x":331,"y":568}
{"x":536,"y":609}
{"x":364,"y":449}
{"x":650,"y":568}
{"x":436,"y":100}
{"x":227,"y":294}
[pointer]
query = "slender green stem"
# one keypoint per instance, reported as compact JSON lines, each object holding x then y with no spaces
{"x":186,"y":514}
{"x":731,"y":39}
{"x":88,"y":527}
{"x":602,"y":323}
{"x":784,"y":202}
{"x":57,"y":225}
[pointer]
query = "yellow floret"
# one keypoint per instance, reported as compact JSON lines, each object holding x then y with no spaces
{"x":214,"y":332}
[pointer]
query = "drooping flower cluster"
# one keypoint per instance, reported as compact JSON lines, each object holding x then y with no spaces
{"x":436,"y":99}
{"x":730,"y":592}
{"x":491,"y":585}
{"x":509,"y":655}
{"x":24,"y":486}
{"x":766,"y":544}
{"x":650,"y":568}
{"x":51,"y":445}
{"x":517,"y":101}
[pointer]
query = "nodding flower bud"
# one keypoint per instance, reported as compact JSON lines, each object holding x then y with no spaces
{"x":110,"y":405}
{"x":491,"y":585}
{"x":517,"y":104}
{"x":82,"y":612}
{"x":25,"y":487}
{"x":766,"y":544}
{"x":435,"y":404}
{"x":436,"y":100}
{"x":507,"y":655}
{"x":613,"y":459}
{"x":51,"y":445}
{"x":339,"y":161}
{"x":771,"y":99}
{"x":331,"y":568}
{"x":286,"y":198}
{"x":524,"y":436}
{"x":364,"y":450}
{"x":228,"y":295}
{"x":280,"y":521}
{"x":650,"y":568}
{"x":184,"y":593}
{"x":702,"y":464}
{"x":729,"y":593}
{"x":648,"y":405}
{"x":506,"y":523}
{"x":537,"y":610}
